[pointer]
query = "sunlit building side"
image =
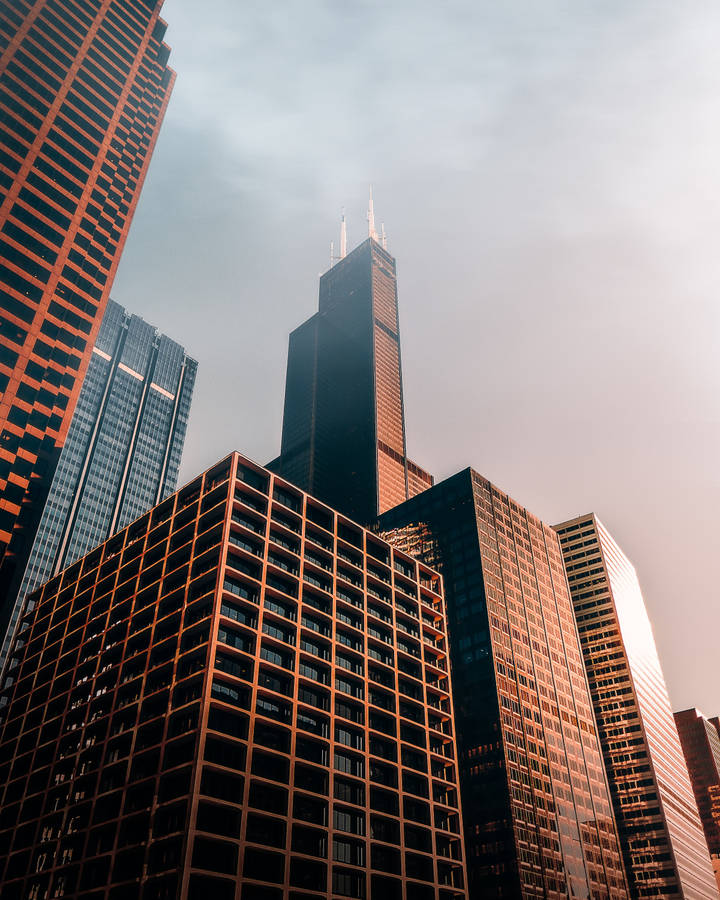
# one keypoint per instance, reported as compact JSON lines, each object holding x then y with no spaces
{"x":83,"y":91}
{"x":701,"y":745}
{"x":665,"y":851}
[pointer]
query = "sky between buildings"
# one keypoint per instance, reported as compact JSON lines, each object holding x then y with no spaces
{"x":548,"y":176}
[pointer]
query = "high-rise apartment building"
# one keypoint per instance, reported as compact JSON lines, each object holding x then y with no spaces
{"x":701,"y":746}
{"x":536,"y":805}
{"x":662,"y":839}
{"x":83,"y":90}
{"x":343,"y":436}
{"x":240,"y":695}
{"x":123,"y":448}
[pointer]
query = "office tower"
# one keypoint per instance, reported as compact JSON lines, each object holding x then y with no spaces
{"x":83,"y":90}
{"x":123,"y":448}
{"x":701,"y":747}
{"x":241,"y":687}
{"x":537,"y":812}
{"x":343,"y":435}
{"x":660,"y":832}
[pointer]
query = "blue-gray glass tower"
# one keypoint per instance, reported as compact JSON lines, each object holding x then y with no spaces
{"x":123,"y":449}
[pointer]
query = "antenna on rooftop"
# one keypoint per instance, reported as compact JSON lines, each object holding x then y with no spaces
{"x":343,"y":236}
{"x":371,"y":218}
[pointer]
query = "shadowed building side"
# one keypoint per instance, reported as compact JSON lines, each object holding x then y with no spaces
{"x":343,"y":434}
{"x":536,"y":805}
{"x":123,"y":448}
{"x":241,"y":694}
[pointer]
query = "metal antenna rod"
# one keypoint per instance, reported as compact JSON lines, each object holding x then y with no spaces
{"x":371,"y":218}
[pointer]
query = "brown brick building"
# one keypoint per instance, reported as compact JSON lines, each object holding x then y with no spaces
{"x":241,"y":696}
{"x":83,"y":90}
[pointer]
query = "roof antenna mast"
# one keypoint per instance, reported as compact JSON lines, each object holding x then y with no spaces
{"x":343,"y":236}
{"x":371,"y":218}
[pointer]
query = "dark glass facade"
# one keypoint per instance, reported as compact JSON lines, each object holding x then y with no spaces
{"x":662,"y":839}
{"x":701,"y":747}
{"x":343,"y":436}
{"x":241,"y":696}
{"x":123,"y":449}
{"x":536,"y":806}
{"x":83,"y":90}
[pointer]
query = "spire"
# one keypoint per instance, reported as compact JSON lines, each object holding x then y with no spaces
{"x":371,"y":218}
{"x":343,"y":236}
{"x":383,"y":236}
{"x":332,"y":254}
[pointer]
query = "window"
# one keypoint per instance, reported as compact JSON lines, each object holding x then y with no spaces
{"x":348,"y":884}
{"x":349,"y":821}
{"x":351,"y":765}
{"x":351,"y":853}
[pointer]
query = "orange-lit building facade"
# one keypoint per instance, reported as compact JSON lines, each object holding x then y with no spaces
{"x":701,"y":745}
{"x":536,"y":805}
{"x":241,"y":696}
{"x":343,"y":436}
{"x":83,"y":90}
{"x":664,"y":847}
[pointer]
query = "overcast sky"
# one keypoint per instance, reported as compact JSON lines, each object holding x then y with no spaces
{"x":548,"y":176}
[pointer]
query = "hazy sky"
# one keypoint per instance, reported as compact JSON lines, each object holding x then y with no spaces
{"x":548,"y":175}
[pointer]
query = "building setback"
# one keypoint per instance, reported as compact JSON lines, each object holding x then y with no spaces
{"x":241,"y":695}
{"x":662,"y":839}
{"x":701,"y":746}
{"x":343,"y":436}
{"x":537,"y":811}
{"x":123,"y":449}
{"x":83,"y":91}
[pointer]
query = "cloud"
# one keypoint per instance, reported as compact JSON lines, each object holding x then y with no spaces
{"x":548,"y":176}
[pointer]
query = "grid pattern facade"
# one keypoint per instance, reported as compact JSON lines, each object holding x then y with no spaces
{"x":536,"y":804}
{"x":700,"y":742}
{"x":123,"y":448}
{"x":343,"y":433}
{"x":662,"y":839}
{"x":83,"y":90}
{"x":241,"y":695}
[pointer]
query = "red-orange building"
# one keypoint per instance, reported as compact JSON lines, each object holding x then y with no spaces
{"x":83,"y":90}
{"x":241,"y":696}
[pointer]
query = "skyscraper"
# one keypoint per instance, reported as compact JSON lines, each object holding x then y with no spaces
{"x":665,"y":852}
{"x":701,"y":746}
{"x":242,"y":693}
{"x":83,"y":90}
{"x":343,"y":436}
{"x":123,"y":448}
{"x":536,"y":806}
